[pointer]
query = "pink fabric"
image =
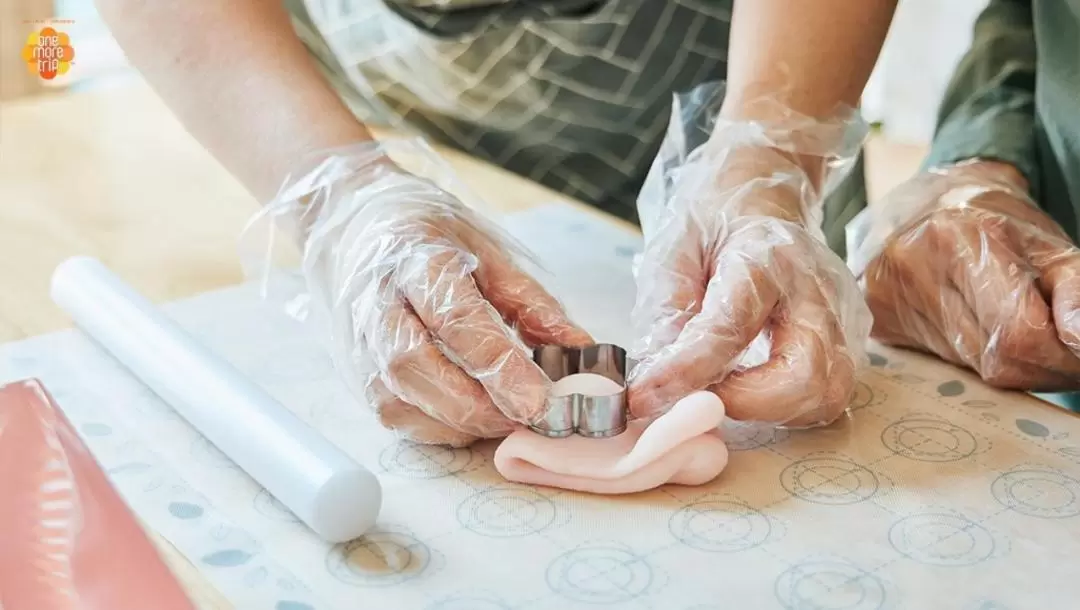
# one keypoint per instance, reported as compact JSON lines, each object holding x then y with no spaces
{"x":67,"y":540}
{"x":680,"y":447}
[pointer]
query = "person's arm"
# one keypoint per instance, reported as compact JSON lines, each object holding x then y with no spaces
{"x":812,"y":57}
{"x":797,"y":70}
{"x":239,"y":80}
{"x":988,"y":112}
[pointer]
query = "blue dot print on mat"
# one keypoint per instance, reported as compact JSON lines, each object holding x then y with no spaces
{"x":227,"y":558}
{"x":185,"y":510}
{"x":95,"y":429}
{"x":291,"y":605}
{"x":951,"y":388}
{"x":130,"y":468}
{"x":1032,"y":428}
{"x":877,"y":359}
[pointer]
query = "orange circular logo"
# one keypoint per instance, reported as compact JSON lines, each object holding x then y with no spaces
{"x":48,"y":53}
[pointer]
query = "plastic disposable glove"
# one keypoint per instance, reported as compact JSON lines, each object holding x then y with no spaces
{"x":961,"y":263}
{"x":426,"y":311}
{"x":734,"y":258}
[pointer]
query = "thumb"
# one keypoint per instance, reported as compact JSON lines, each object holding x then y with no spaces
{"x":737,"y":305}
{"x":1064,"y":282}
{"x":1058,"y":265}
{"x":671,"y":284}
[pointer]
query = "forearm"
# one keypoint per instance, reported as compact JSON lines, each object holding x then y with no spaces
{"x":798,"y":70}
{"x":239,"y":80}
{"x":988,"y":111}
{"x":812,"y":57}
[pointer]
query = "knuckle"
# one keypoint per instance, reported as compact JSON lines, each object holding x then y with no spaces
{"x":998,"y":378}
{"x":810,"y":411}
{"x":485,"y":354}
{"x":376,"y":393}
{"x":407,"y":361}
{"x":398,"y":364}
{"x":425,"y":267}
{"x":466,"y":315}
{"x":1000,"y":374}
{"x":1016,"y":338}
{"x":387,"y":415}
{"x":900,"y":252}
{"x":442,"y":259}
{"x":1070,"y":336}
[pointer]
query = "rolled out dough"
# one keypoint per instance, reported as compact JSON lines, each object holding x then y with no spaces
{"x":680,"y":447}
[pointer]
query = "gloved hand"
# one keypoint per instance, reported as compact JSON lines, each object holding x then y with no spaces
{"x":733,"y":259}
{"x":960,"y":262}
{"x":426,"y":310}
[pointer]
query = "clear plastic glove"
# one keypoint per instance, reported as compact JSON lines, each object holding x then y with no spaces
{"x":961,"y":263}
{"x":426,"y":311}
{"x":737,"y":291}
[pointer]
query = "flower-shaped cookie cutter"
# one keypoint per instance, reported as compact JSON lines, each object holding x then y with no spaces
{"x":587,"y":415}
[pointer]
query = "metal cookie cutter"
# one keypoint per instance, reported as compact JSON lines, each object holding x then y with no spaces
{"x":592,"y":416}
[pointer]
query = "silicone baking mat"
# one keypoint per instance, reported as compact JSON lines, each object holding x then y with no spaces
{"x":936,"y":492}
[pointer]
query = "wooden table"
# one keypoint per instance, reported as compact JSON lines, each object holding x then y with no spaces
{"x":111,"y":174}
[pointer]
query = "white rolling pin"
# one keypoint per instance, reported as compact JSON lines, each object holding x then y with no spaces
{"x":336,"y":497}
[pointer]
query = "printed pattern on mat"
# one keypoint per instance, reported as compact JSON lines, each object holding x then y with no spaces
{"x":107,"y":407}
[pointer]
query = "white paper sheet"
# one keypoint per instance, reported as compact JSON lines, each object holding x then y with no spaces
{"x":937,"y":493}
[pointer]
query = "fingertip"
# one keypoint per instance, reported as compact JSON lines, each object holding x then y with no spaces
{"x":1069,"y":331}
{"x":410,"y":423}
{"x":1066,"y":306}
{"x":553,"y":328}
{"x":521,"y":393}
{"x":569,"y":335}
{"x":769,"y":394}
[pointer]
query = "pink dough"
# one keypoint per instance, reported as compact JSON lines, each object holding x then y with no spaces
{"x":678,"y":447}
{"x":69,"y":541}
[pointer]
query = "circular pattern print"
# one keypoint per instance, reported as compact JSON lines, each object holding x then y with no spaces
{"x":828,"y":480}
{"x":829,"y":585}
{"x":599,"y":575}
{"x":720,"y":526}
{"x":863,"y":396}
{"x":506,"y":513}
{"x":206,"y":453}
{"x":929,"y":440}
{"x":942,"y":540}
{"x":379,"y":559}
{"x":424,"y":461}
{"x":1038,"y":493}
{"x":467,"y":603}
{"x":747,"y":436}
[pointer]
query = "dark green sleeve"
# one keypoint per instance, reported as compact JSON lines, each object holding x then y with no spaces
{"x":989,"y":107}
